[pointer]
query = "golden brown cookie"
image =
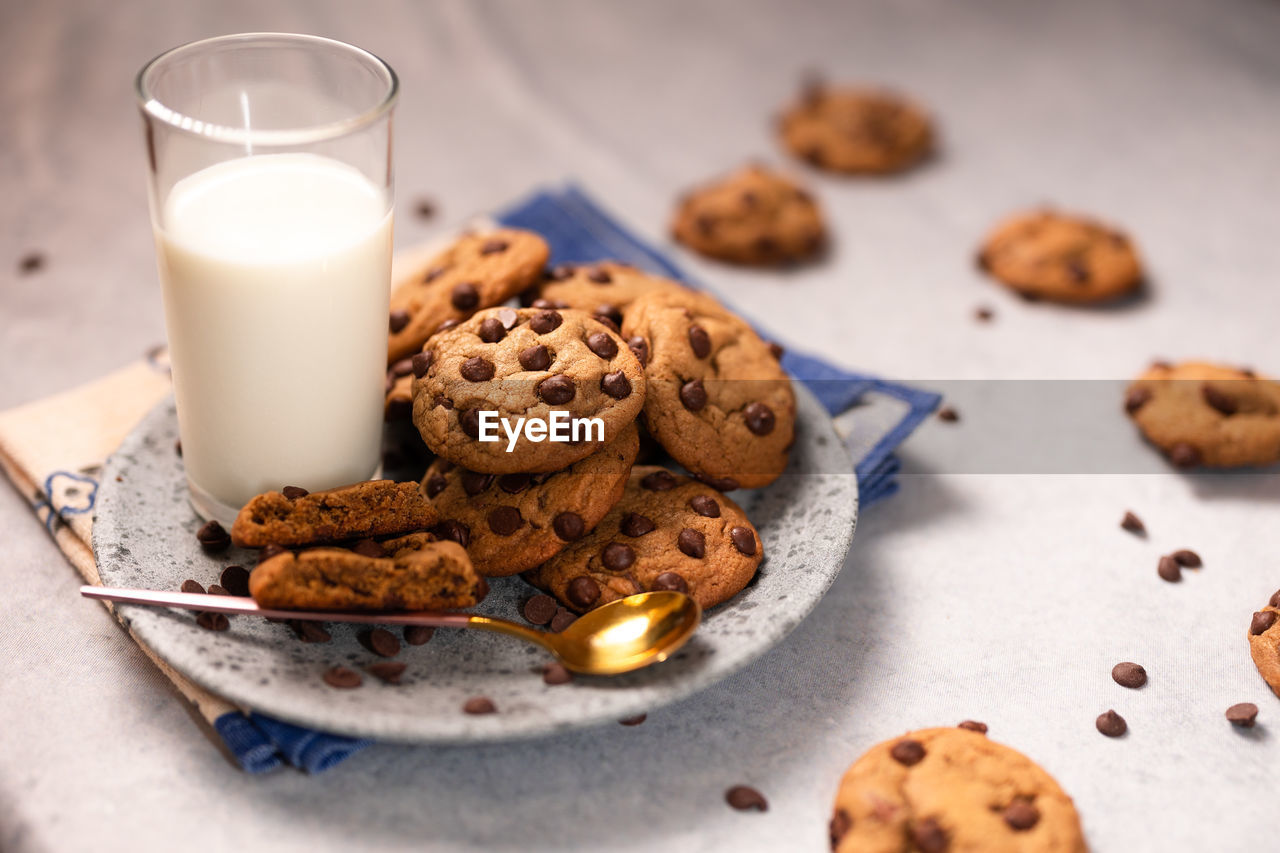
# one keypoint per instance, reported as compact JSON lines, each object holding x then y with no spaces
{"x":414,"y":572}
{"x":945,"y":789}
{"x":1207,"y":414}
{"x":1061,"y":257}
{"x":604,"y":290}
{"x":294,"y":517}
{"x":667,"y":533}
{"x":755,"y":216}
{"x":717,"y":400}
{"x":1264,"y":642}
{"x":528,"y":363}
{"x":514,"y":522}
{"x":477,"y":271}
{"x":855,"y":130}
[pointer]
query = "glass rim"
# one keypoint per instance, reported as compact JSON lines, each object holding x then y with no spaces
{"x":153,"y":108}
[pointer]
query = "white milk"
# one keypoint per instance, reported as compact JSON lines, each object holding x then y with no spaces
{"x":276,"y":272}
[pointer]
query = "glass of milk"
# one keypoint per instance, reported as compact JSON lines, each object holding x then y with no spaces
{"x":269,"y":159}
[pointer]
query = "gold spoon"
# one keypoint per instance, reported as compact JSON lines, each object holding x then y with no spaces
{"x":621,"y":636}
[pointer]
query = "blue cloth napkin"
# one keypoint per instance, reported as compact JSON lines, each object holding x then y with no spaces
{"x":578,"y":230}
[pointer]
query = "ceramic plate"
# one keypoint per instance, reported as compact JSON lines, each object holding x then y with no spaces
{"x":144,"y":536}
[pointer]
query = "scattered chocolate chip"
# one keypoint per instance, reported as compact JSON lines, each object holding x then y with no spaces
{"x":1136,"y":398}
{"x":539,"y":609}
{"x":213,"y":538}
{"x":1184,"y":455}
{"x":470,"y":422}
{"x":948,"y":414}
{"x":692,"y":543}
{"x":633,"y":721}
{"x":535,"y":358}
{"x":1243,"y":714}
{"x":602,"y":344}
{"x":218,"y":589}
{"x":294,"y":492}
{"x":422,"y":362}
{"x":477,"y":369}
{"x":928,"y":836}
{"x":418,"y":635}
{"x":1111,"y":724}
{"x":380,"y":641}
{"x":974,"y":726}
{"x":563,"y":619}
{"x":1133,"y":524}
{"x":599,"y":275}
{"x":505,"y":520}
{"x":744,"y":539}
{"x":556,"y":390}
{"x":369,"y":548}
{"x":1218,"y":400}
{"x":1168,"y":569}
{"x":658,"y":481}
{"x":213,"y":621}
{"x":616,"y":385}
{"x":194,"y":588}
{"x":491,"y":330}
{"x":424,"y":208}
{"x":617,"y":557}
{"x":387,"y":671}
{"x":635,"y":525}
{"x":453,"y":529}
{"x":640,"y":348}
{"x":984,"y":314}
{"x":744,"y":798}
{"x":1259,"y":624}
{"x":705,"y":505}
{"x":269,"y":551}
{"x":473,"y":482}
{"x":907,"y":752}
{"x":479,"y":705}
{"x":555,"y":673}
{"x":31,"y":262}
{"x":308,"y":631}
{"x":1021,"y":814}
{"x":693,"y":394}
{"x":236,"y":580}
{"x":397,"y":321}
{"x":1187,"y":558}
{"x":569,"y":526}
{"x":1129,"y":675}
{"x":759,"y":417}
{"x":545,"y":321}
{"x":671,"y":581}
{"x":839,"y":826}
{"x":582,"y":592}
{"x":493,"y":247}
{"x":464,"y":296}
{"x":435,"y":484}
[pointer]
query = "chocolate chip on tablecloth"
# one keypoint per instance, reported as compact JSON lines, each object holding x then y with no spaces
{"x":424,"y":208}
{"x":308,"y":631}
{"x":31,"y":262}
{"x":1128,"y":674}
{"x":1168,"y":569}
{"x":984,"y":314}
{"x":1111,"y":724}
{"x":556,"y":673}
{"x":948,"y":414}
{"x":1133,"y":524}
{"x":213,"y":538}
{"x":387,"y":671}
{"x":417,"y":635}
{"x":213,"y":621}
{"x":1243,"y":714}
{"x":218,"y":589}
{"x":380,"y":641}
{"x":342,"y":678}
{"x":192,"y":587}
{"x":633,"y":721}
{"x":540,"y":609}
{"x":1187,"y":558}
{"x":236,"y":580}
{"x":479,"y":705}
{"x":745,"y":798}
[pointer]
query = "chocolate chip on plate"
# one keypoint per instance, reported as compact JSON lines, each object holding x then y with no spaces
{"x":213,"y":538}
{"x":342,"y":678}
{"x":1243,"y":714}
{"x":1187,"y":558}
{"x":984,"y":314}
{"x":236,"y":580}
{"x":907,"y":752}
{"x":31,"y":262}
{"x":424,"y":208}
{"x":633,"y":721}
{"x":973,"y":726}
{"x":380,"y":641}
{"x":1168,"y":569}
{"x":213,"y":621}
{"x":479,"y":705}
{"x":1133,"y":524}
{"x":745,"y":798}
{"x":417,"y":635}
{"x":540,"y":609}
{"x":177,"y":447}
{"x":1111,"y":724}
{"x":556,"y":673}
{"x":1128,"y":674}
{"x":388,"y":671}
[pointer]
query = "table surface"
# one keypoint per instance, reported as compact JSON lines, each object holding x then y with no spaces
{"x":980,"y":595}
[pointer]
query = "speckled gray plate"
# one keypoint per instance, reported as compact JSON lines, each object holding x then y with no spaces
{"x":144,"y":536}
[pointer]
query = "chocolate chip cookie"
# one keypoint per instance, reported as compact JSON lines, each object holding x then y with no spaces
{"x":477,"y":271}
{"x":605,"y":290}
{"x":855,"y":130}
{"x":1061,"y":257}
{"x":414,"y":572}
{"x":1207,"y":414}
{"x":293,"y":516}
{"x":1264,"y":642}
{"x":755,"y":216}
{"x":717,"y":400}
{"x":526,"y":364}
{"x":951,"y":789}
{"x":667,"y":532}
{"x":514,"y":522}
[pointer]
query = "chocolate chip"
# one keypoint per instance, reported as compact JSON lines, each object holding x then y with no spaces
{"x":453,"y":529}
{"x":477,"y":369}
{"x":556,"y":390}
{"x":599,"y":275}
{"x":744,"y":798}
{"x":692,"y":543}
{"x":948,"y":414}
{"x":213,"y":538}
{"x":236,"y":580}
{"x":569,"y":526}
{"x":539,"y":609}
{"x":1275,"y":599}
{"x":693,"y":395}
{"x":387,"y":671}
{"x":929,"y":837}
{"x":1187,"y":558}
{"x":617,"y":557}
{"x":635,"y":525}
{"x":671,"y":581}
{"x":473,"y":482}
{"x":491,"y":330}
{"x":1243,"y":714}
{"x":699,"y":341}
{"x":403,"y":367}
{"x":514,"y":484}
{"x":639,"y":348}
{"x":1133,"y":524}
{"x":907,"y":752}
{"x":434,"y":273}
{"x":616,"y":385}
{"x":470,"y":422}
{"x":555,"y":673}
{"x":545,"y":321}
{"x":369,"y":548}
{"x":974,"y":726}
{"x":983,"y":314}
{"x":1111,"y":724}
{"x":446,"y":325}
{"x":31,"y":262}
{"x":218,"y":589}
{"x":776,"y":350}
{"x":658,"y":481}
{"x":1021,"y":814}
{"x":744,"y":539}
{"x":1259,"y":624}
{"x":838,"y":827}
{"x":177,"y":447}
{"x":493,"y":247}
{"x":308,"y":631}
{"x":505,"y":520}
{"x":1218,"y":400}
{"x":380,"y":641}
{"x":422,"y":363}
{"x":294,"y":492}
{"x":1129,"y":675}
{"x":1078,"y":271}
{"x":1168,"y":569}
{"x":418,"y":635}
{"x":464,"y":296}
{"x":397,"y":321}
{"x":633,"y":721}
{"x":425,"y":208}
{"x":435,"y":484}
{"x":705,"y":505}
{"x":720,"y":484}
{"x":194,"y":588}
{"x":342,"y":678}
{"x":398,"y":410}
{"x":1136,"y":398}
{"x":582,"y":592}
{"x":535,"y":358}
{"x":759,"y":417}
{"x":563,"y":619}
{"x":269,"y":551}
{"x":479,"y":705}
{"x":1184,"y":455}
